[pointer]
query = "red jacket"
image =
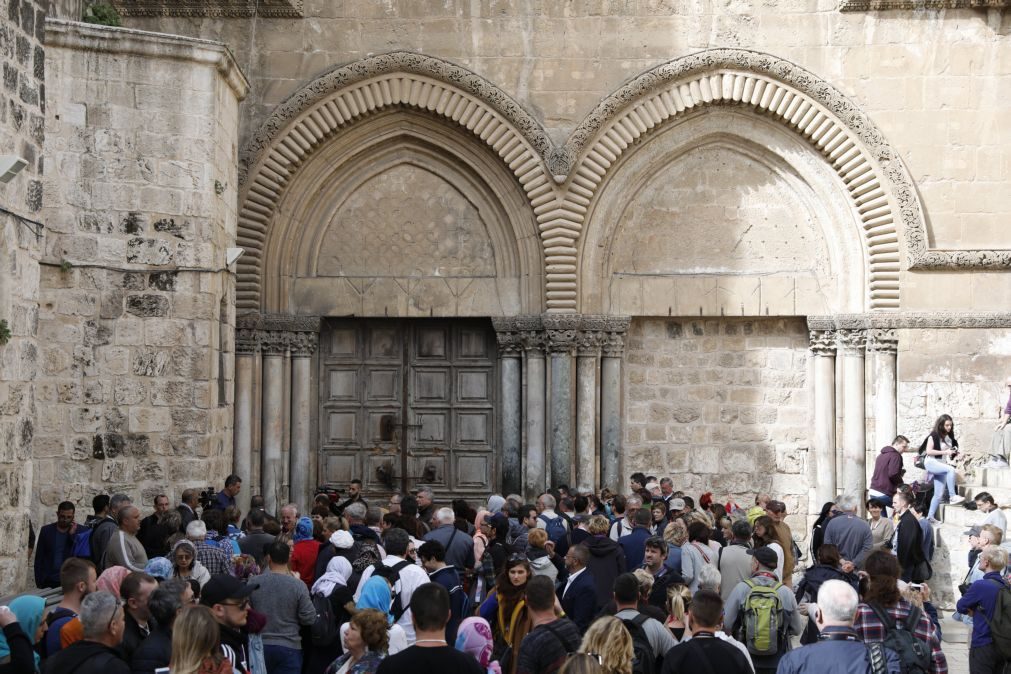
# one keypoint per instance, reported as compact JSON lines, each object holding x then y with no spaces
{"x":887,"y":471}
{"x":303,"y":560}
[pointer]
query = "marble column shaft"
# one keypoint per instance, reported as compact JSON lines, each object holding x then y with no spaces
{"x":613,"y":349}
{"x":854,"y":442}
{"x":586,"y":412}
{"x":303,"y":345}
{"x":561,"y":343}
{"x":823,"y":349}
{"x":271,"y":471}
{"x":510,"y":360}
{"x":243,"y":439}
{"x":536,"y":475}
{"x":883,"y":347}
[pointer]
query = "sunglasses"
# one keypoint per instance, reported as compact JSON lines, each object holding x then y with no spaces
{"x":242,"y":605}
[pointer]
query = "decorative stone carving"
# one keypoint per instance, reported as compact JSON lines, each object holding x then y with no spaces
{"x":852,"y":341}
{"x":303,"y":343}
{"x":215,"y":8}
{"x":911,"y":319}
{"x":273,"y":342}
{"x":883,"y":5}
{"x":592,"y":335}
{"x":510,"y":343}
{"x":613,"y":345}
{"x":561,"y":332}
{"x":882,"y":341}
{"x":246,"y":341}
{"x":823,"y":342}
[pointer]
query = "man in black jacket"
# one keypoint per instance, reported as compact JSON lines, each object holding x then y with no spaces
{"x":908,"y":537}
{"x":164,"y":604}
{"x":188,"y":507}
{"x":135,"y":591}
{"x":579,"y":595}
{"x":102,"y":619}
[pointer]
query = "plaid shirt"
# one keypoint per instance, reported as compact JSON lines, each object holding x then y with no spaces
{"x":213,"y":558}
{"x":871,"y":630}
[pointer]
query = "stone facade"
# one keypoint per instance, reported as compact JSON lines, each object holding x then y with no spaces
{"x":136,"y":322}
{"x":22,"y":132}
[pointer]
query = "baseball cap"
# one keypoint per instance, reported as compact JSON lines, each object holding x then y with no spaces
{"x":973,"y":531}
{"x":222,"y":587}
{"x":765,"y":555}
{"x":677,"y":504}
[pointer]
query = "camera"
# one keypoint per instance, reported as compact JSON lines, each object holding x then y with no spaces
{"x":330,"y":491}
{"x":208,"y":497}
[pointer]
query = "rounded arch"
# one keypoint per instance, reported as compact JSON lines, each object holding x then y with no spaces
{"x":880,"y":191}
{"x":505,"y":277}
{"x":340,"y":98}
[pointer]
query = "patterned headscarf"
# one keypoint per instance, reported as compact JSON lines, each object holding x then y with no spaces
{"x":111,"y":579}
{"x":245,"y":567}
{"x":159,"y":567}
{"x":28,"y":609}
{"x":475,"y":639}
{"x":376,"y":594}
{"x":303,"y":530}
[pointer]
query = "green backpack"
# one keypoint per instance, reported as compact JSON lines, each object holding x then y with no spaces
{"x":762,"y":621}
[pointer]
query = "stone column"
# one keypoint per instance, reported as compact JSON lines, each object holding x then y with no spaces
{"x":854,"y":441}
{"x":533,"y":345}
{"x":510,"y":354}
{"x":587,"y":353}
{"x":274,"y":345}
{"x":561,"y":335}
{"x":246,"y":351}
{"x":823,"y":349}
{"x":612,"y":352}
{"x":303,"y":344}
{"x":883,"y":345}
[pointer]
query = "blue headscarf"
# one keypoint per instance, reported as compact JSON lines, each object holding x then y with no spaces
{"x":28,"y":609}
{"x":159,"y":567}
{"x":376,"y":594}
{"x":303,"y":530}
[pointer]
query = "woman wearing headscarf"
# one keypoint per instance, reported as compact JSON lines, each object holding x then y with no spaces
{"x":376,"y":594}
{"x":475,"y":639}
{"x":111,"y":579}
{"x":20,"y":623}
{"x":304,"y":551}
{"x":185,"y":564}
{"x":333,"y":585}
{"x":159,"y":568}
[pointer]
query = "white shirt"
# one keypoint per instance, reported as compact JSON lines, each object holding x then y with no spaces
{"x":572,"y":577}
{"x":398,"y":640}
{"x":412,"y":576}
{"x":619,"y":529}
{"x":996,"y":517}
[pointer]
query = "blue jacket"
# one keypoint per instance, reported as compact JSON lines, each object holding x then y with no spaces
{"x":579,"y":601}
{"x":634,"y":546}
{"x":845,"y":654}
{"x":52,"y":548}
{"x":673,"y":561}
{"x":982,"y":595}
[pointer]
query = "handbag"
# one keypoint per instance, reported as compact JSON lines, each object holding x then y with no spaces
{"x":922,"y":572}
{"x":918,"y":461}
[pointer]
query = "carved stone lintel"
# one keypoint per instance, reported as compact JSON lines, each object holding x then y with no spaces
{"x":884,"y":5}
{"x":912,"y":319}
{"x":882,"y":341}
{"x":852,"y":341}
{"x":823,"y":342}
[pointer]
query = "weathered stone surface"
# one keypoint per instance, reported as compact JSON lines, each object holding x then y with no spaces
{"x":147,"y":306}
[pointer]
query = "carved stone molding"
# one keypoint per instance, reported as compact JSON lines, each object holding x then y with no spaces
{"x":884,"y":5}
{"x":823,"y":342}
{"x":852,"y":341}
{"x":911,"y":319}
{"x":214,"y":8}
{"x":882,"y":341}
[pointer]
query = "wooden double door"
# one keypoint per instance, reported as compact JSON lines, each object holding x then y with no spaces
{"x":409,"y":402}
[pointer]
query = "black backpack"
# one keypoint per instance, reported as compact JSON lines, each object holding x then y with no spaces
{"x":325,"y":630}
{"x":643,"y":659}
{"x":392,"y":574}
{"x":914,"y":655}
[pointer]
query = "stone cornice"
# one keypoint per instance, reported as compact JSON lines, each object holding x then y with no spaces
{"x":89,"y":37}
{"x":911,"y":319}
{"x":213,"y":8}
{"x":884,"y":5}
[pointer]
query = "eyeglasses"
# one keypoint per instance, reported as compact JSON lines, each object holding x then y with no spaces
{"x":242,"y":605}
{"x":115,"y":612}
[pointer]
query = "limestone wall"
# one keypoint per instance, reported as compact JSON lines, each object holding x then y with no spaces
{"x":721,"y":405}
{"x":136,"y":320}
{"x":21,"y":133}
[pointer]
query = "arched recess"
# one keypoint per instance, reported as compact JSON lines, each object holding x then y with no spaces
{"x":722,"y":212}
{"x":875,"y":180}
{"x":331,"y":104}
{"x":404,"y":216}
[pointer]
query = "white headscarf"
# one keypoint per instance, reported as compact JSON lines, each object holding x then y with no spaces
{"x":337,"y":573}
{"x":342,"y":540}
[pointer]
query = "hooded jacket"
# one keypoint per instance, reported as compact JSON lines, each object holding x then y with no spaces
{"x":86,"y":657}
{"x":887,"y":471}
{"x":153,"y":652}
{"x":607,"y":562}
{"x":543,"y":565}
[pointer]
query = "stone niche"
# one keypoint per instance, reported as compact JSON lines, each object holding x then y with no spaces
{"x":722,"y":405}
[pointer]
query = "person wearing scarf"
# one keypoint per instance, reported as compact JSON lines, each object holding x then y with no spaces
{"x":159,"y":568}
{"x":475,"y":638}
{"x":20,"y":624}
{"x":340,"y":543}
{"x":304,"y":551}
{"x":376,"y":594}
{"x":333,"y":585}
{"x":195,"y":570}
{"x":505,"y":610}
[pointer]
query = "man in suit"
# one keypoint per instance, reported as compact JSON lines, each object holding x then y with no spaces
{"x":579,"y":595}
{"x":908,"y":537}
{"x":188,"y":507}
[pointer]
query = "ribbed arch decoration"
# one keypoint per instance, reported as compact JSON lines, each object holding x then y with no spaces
{"x":562,"y":182}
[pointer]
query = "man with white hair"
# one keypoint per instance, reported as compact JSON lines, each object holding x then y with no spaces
{"x":214,"y":559}
{"x":459,"y":545}
{"x":426,"y":505}
{"x":103,"y":621}
{"x":626,"y":524}
{"x":982,"y":597}
{"x":849,"y":532}
{"x":838,"y":650}
{"x":553,"y":523}
{"x":124,"y":548}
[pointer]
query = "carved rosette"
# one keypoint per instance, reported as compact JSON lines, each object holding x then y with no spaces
{"x":562,"y":331}
{"x":823,"y":342}
{"x":852,"y":341}
{"x":882,"y":341}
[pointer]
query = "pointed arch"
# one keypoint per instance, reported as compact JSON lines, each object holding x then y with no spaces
{"x":345,"y":95}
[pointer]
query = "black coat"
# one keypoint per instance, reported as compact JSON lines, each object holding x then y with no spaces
{"x":187,"y":514}
{"x":153,"y":652}
{"x":580,"y":600}
{"x":910,"y":541}
{"x":817,"y":575}
{"x":86,"y":657}
{"x":22,"y":657}
{"x":607,"y":562}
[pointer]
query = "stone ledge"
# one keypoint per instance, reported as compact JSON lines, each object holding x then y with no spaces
{"x":884,"y":5}
{"x":214,"y":8}
{"x":94,"y":38}
{"x":911,"y":319}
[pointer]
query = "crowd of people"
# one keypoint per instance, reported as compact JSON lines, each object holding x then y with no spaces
{"x":650,"y":581}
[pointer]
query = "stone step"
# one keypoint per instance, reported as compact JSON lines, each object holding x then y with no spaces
{"x":954,"y":632}
{"x":996,"y":477}
{"x":1002,"y":495}
{"x":959,"y":516}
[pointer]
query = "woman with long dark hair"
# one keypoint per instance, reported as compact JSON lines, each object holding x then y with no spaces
{"x":938,"y":449}
{"x":505,"y":610}
{"x":818,"y":530}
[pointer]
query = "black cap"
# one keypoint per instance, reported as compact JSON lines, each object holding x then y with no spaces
{"x":222,"y":587}
{"x":765,"y":555}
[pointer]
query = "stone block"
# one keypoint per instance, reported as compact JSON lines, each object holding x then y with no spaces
{"x":149,"y":251}
{"x":150,"y":420}
{"x":147,"y":305}
{"x":171,"y":393}
{"x":150,"y":363}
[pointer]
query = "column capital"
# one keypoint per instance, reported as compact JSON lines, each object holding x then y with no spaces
{"x":246,"y":341}
{"x":562,"y":331}
{"x":273,"y":342}
{"x":852,"y":341}
{"x":588,"y":342}
{"x":303,"y":343}
{"x":823,"y":342}
{"x":508,"y":336}
{"x":882,"y":341}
